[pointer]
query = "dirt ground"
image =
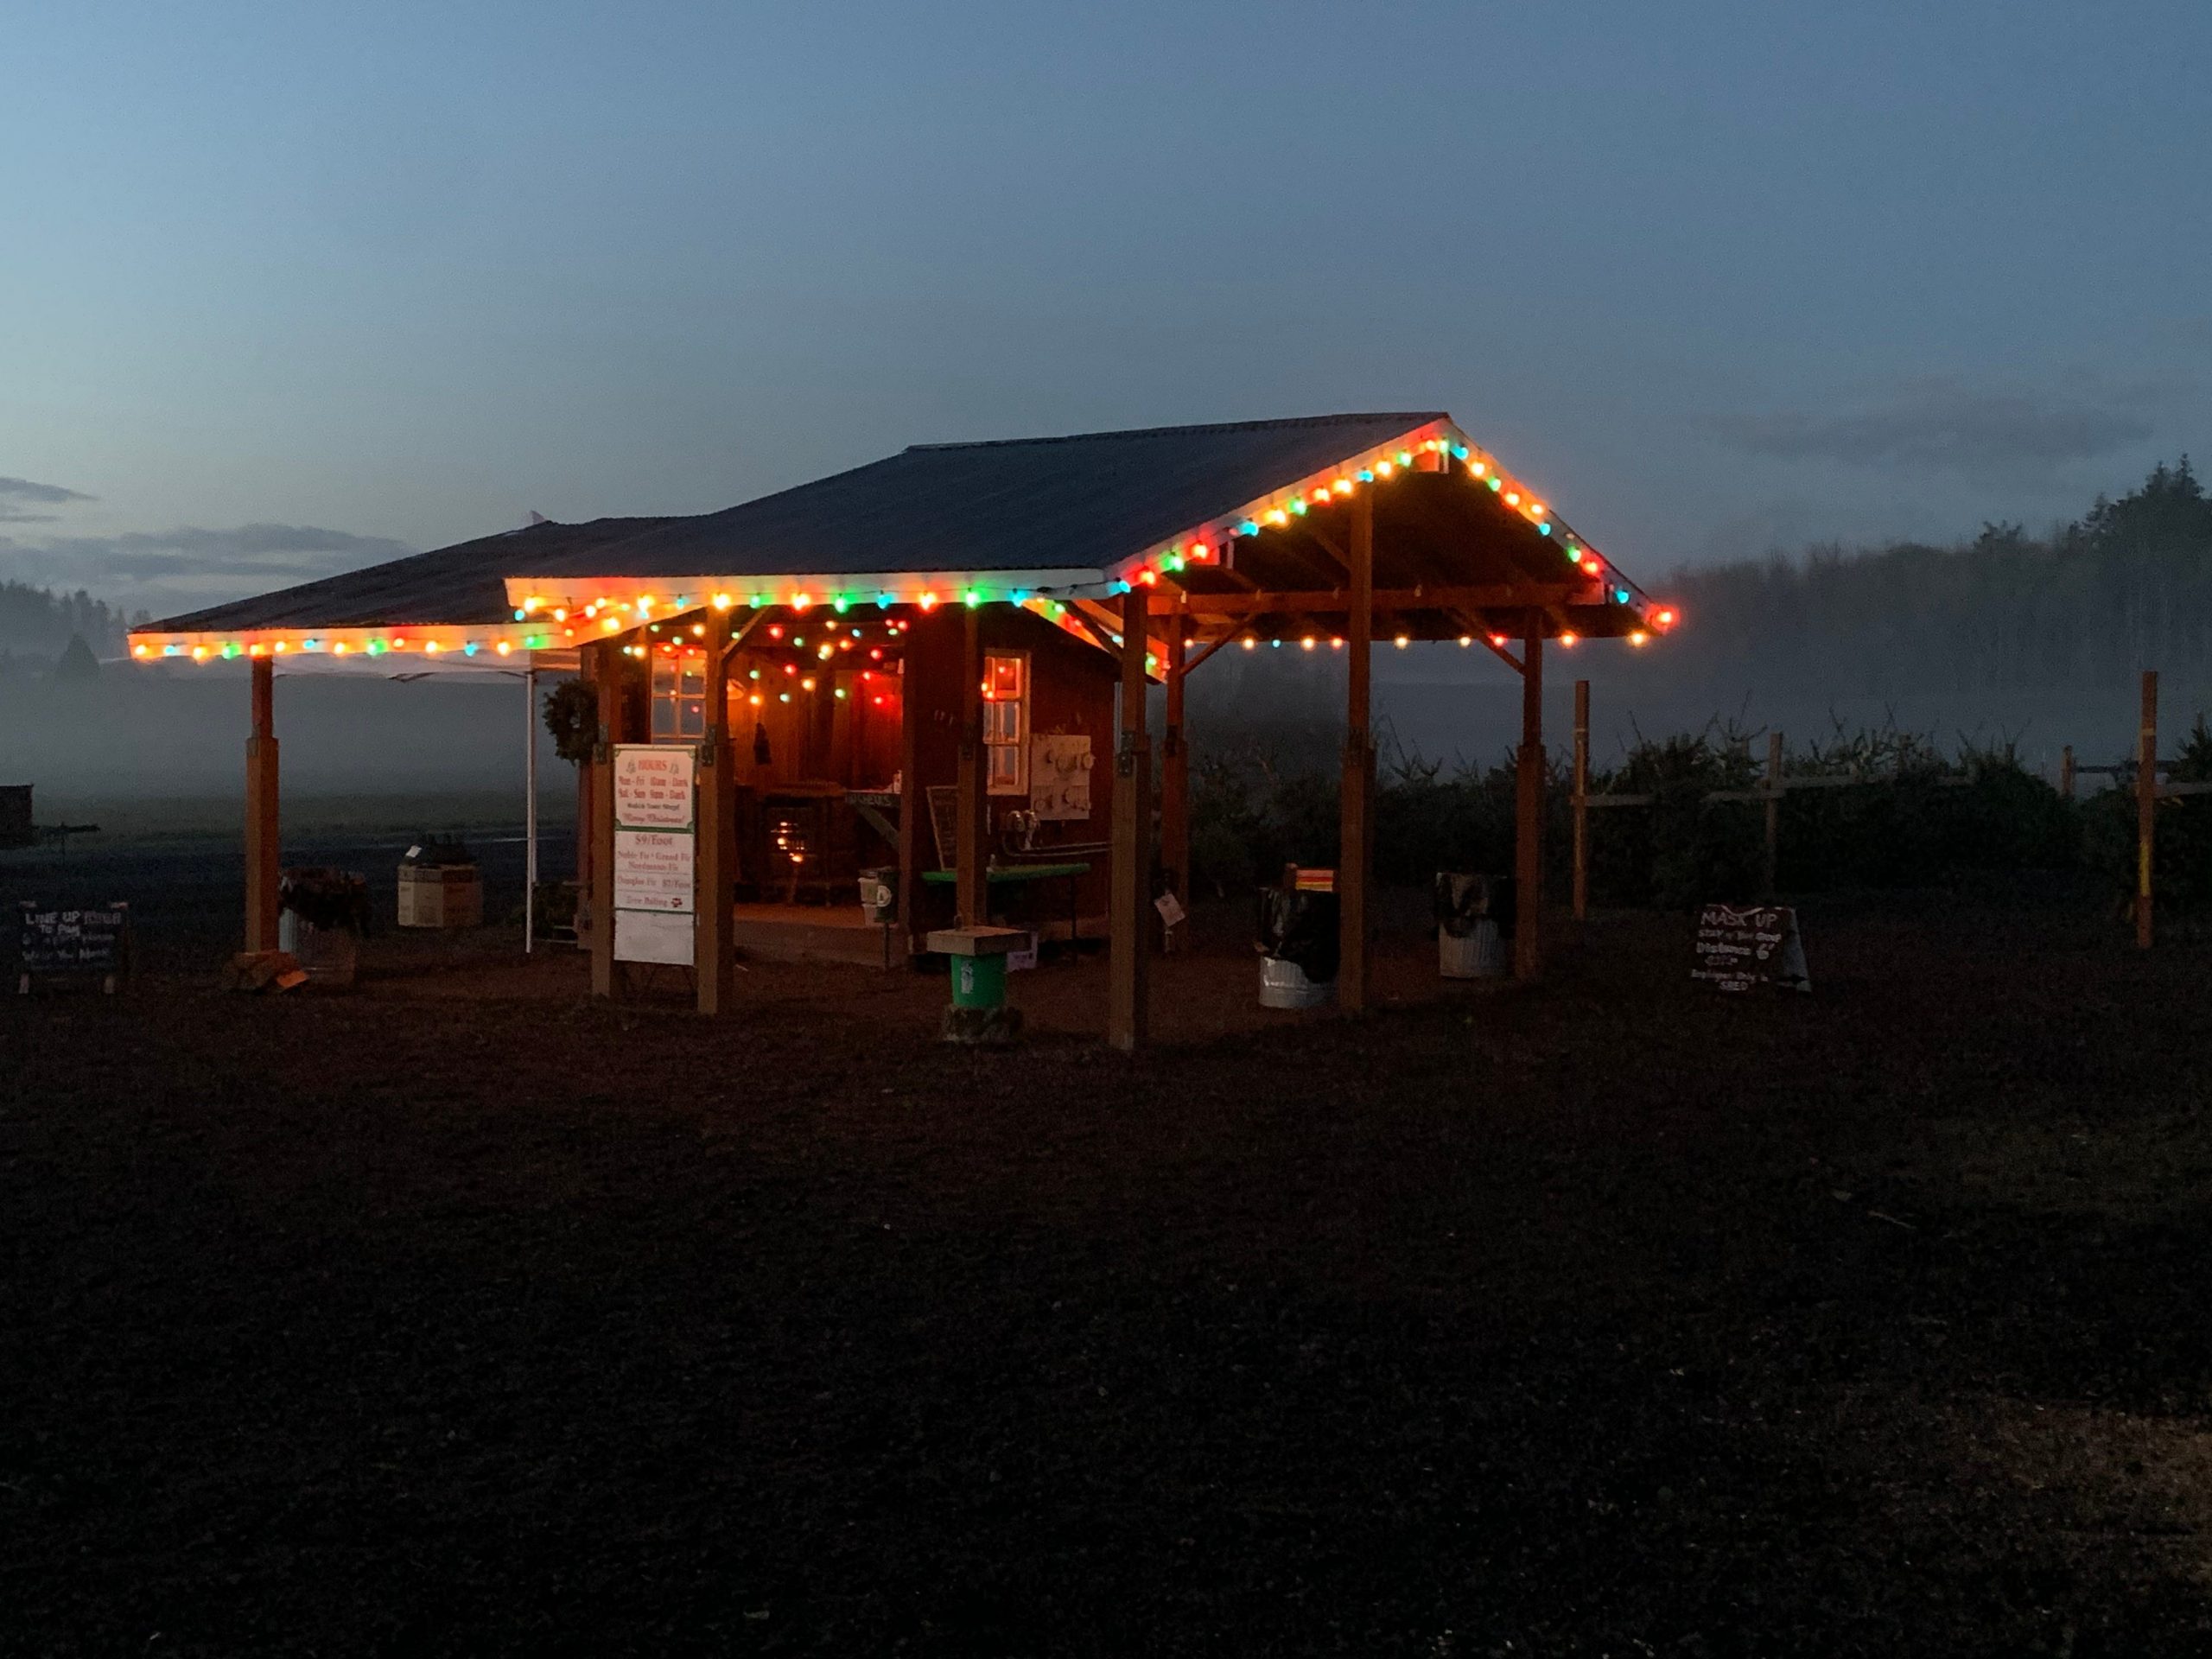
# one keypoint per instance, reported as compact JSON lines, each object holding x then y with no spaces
{"x":459,"y":1314}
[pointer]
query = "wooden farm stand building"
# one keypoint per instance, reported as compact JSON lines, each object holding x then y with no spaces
{"x":961,"y":618}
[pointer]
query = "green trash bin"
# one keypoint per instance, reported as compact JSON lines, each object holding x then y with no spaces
{"x":979,"y":981}
{"x":979,"y":1013}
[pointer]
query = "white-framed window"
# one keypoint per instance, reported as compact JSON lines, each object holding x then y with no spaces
{"x":1006,"y":722}
{"x":680,"y":697}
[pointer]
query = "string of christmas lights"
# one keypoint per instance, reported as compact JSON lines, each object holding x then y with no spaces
{"x":550,"y":616}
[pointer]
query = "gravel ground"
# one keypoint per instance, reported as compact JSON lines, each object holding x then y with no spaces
{"x":460,"y":1315}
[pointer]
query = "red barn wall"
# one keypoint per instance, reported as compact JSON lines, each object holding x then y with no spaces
{"x":1071,"y":692}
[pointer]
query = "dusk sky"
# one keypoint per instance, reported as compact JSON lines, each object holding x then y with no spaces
{"x":288,"y":289}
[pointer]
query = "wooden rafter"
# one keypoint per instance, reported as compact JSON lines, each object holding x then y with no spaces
{"x":1338,"y":600}
{"x":1093,"y":630}
{"x":1477,"y":631}
{"x":1211,"y":646}
{"x":1103,"y":625}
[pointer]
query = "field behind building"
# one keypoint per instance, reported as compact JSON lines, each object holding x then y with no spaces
{"x":460,"y":1314}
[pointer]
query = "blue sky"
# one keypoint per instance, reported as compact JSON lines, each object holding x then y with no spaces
{"x":286,"y":288}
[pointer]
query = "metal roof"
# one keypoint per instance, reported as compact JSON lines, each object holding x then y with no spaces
{"x":1088,"y":501}
{"x":460,"y":584}
{"x":1255,"y":505}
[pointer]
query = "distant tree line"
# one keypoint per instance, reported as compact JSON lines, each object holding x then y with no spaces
{"x":2128,"y":586}
{"x":1925,"y":817}
{"x":37,"y":624}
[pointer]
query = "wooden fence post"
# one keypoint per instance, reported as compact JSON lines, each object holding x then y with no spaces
{"x":2147,"y":806}
{"x":1581,"y":799}
{"x":1773,"y":809}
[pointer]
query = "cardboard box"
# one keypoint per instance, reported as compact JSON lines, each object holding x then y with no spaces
{"x":440,"y":896}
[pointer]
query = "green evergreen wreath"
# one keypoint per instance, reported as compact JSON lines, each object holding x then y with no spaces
{"x":572,"y":716}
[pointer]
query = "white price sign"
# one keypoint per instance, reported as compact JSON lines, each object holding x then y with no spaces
{"x":652,"y":869}
{"x":655,"y":852}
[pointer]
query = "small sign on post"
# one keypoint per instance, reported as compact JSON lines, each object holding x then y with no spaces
{"x":655,"y":845}
{"x":1739,"y":947}
{"x":56,"y":943}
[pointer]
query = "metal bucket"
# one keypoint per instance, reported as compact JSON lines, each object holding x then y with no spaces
{"x":1479,"y":954}
{"x":1283,"y":984}
{"x":326,"y":955}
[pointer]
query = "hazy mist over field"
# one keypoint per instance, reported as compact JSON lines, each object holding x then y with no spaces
{"x":2035,"y":639}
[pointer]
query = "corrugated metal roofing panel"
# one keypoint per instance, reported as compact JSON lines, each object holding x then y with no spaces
{"x":1088,"y":501}
{"x":460,"y":584}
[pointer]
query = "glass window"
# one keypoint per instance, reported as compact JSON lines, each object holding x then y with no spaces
{"x":1006,"y":722}
{"x":679,"y":698}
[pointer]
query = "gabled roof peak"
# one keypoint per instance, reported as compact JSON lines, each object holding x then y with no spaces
{"x":1403,"y":420}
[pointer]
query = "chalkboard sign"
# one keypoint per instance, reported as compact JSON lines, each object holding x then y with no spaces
{"x":944,"y":823}
{"x":59,"y":941}
{"x":1757,"y":944}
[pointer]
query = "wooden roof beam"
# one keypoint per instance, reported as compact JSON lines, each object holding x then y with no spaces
{"x":1208,"y":649}
{"x":1330,"y":551}
{"x":1225,"y":567}
{"x":1102,"y":624}
{"x":1093,"y":631}
{"x":1481,"y":631}
{"x":1484,"y":597}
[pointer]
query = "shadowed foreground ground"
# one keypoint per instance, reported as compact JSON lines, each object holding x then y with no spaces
{"x":1611,"y":1317}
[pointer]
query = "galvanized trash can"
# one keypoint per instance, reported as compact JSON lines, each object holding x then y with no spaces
{"x":1299,"y":945}
{"x":321,"y":917}
{"x":1474,"y":924}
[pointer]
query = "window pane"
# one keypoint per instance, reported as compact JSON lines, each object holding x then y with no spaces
{"x":1006,"y":764}
{"x":1001,"y":723}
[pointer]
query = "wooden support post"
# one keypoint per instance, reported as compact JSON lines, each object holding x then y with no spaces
{"x":1581,"y":800}
{"x":261,"y":860}
{"x":2066,"y":773}
{"x":530,"y":808}
{"x":1130,"y":931}
{"x":1356,"y":827}
{"x":1175,"y":771}
{"x":606,"y":975}
{"x":2146,"y":807}
{"x":972,"y":903}
{"x":1773,"y":811}
{"x":915,"y":830}
{"x":820,"y":724}
{"x":587,"y":787}
{"x":1528,"y":807}
{"x":713,"y":958}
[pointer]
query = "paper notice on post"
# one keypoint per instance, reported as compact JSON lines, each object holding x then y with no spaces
{"x":655,"y":852}
{"x":652,"y":786}
{"x":653,"y":870}
{"x":640,"y":936}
